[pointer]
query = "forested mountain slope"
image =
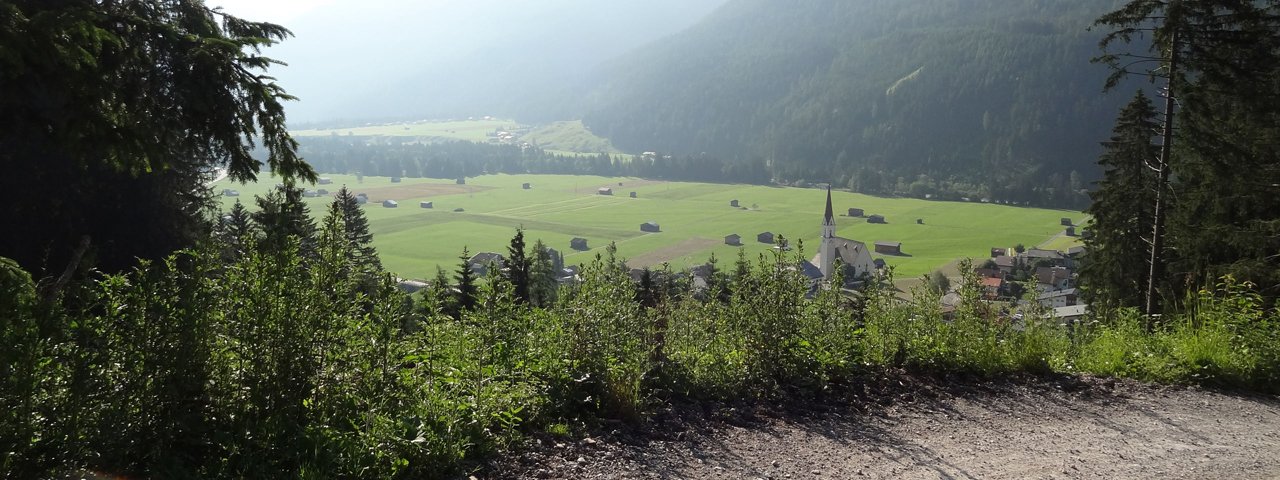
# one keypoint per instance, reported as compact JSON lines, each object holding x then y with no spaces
{"x":990,"y":97}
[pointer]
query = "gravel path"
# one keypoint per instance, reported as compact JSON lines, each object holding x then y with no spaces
{"x":1073,"y":428}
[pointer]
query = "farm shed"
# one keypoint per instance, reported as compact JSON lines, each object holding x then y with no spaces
{"x":395,"y":179}
{"x":633,"y":194}
{"x":326,"y":181}
{"x":733,"y":239}
{"x":1065,"y":221}
{"x":427,"y":205}
{"x":733,"y":203}
{"x":526,"y":186}
{"x":390,"y":203}
{"x":1069,"y":231}
{"x":876,"y":219}
{"x":855,"y":212}
{"x":604,"y":191}
{"x":578,"y":243}
{"x":461,"y":181}
{"x":362,"y":199}
{"x":765,"y":237}
{"x":889,"y":248}
{"x":649,"y":227}
{"x":227,"y":192}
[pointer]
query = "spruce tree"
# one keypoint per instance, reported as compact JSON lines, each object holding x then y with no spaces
{"x":1115,"y":271}
{"x":235,"y":231}
{"x":518,"y":267}
{"x":465,"y":291}
{"x":281,"y":215}
{"x":364,"y":255}
{"x":543,"y":284}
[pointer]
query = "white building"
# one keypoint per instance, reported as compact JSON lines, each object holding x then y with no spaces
{"x":852,"y":254}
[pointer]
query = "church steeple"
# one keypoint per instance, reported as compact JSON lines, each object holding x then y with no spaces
{"x":827,"y":249}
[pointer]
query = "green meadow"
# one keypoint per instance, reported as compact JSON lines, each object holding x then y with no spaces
{"x":470,"y":130}
{"x":694,"y":219}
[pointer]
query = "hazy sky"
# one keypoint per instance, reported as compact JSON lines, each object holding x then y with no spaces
{"x":365,"y":59}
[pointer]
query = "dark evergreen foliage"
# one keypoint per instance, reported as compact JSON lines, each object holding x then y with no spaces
{"x":283,"y":218}
{"x":465,"y":289}
{"x":363,"y":255}
{"x":518,"y":268}
{"x":1115,"y":272}
{"x":114,"y":114}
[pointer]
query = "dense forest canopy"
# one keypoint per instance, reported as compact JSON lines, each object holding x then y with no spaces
{"x":999,"y":94}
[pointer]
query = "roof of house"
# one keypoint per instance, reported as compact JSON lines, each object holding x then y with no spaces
{"x":810,"y":270}
{"x":992,"y":282}
{"x":1056,"y":293}
{"x":485,"y":258}
{"x":1039,"y":253}
{"x":1071,"y":311}
{"x":1052,"y":275}
{"x":1003,"y":261}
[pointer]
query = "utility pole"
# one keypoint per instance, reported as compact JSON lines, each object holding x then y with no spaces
{"x":1162,"y":179}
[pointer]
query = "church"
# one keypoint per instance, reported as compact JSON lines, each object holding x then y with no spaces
{"x":853,"y":255}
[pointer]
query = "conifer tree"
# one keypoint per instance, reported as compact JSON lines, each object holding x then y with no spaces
{"x":543,"y":283}
{"x":235,"y":231}
{"x":364,"y":255}
{"x":518,"y":267}
{"x":281,"y":215}
{"x":465,"y":290}
{"x":1114,"y":273}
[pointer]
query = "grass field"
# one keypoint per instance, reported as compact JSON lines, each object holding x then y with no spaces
{"x":568,"y":137}
{"x":694,"y":218}
{"x":470,"y":130}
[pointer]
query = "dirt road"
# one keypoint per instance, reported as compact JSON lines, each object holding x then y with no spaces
{"x":1065,"y":428}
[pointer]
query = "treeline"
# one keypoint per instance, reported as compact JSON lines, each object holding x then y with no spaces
{"x":410,"y":158}
{"x":278,"y":348}
{"x":990,"y":99}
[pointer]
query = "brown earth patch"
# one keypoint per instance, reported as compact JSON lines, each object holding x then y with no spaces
{"x":670,"y":252}
{"x":401,"y":192}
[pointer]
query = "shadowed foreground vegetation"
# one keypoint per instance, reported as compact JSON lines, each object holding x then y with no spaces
{"x":255,"y":359}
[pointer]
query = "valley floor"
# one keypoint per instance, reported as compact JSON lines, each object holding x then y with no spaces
{"x":1066,"y":428}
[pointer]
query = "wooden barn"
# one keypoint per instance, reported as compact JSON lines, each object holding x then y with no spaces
{"x":733,"y":239}
{"x":855,"y":212}
{"x":876,"y":219}
{"x":395,"y":179}
{"x":578,"y":243}
{"x":461,"y":181}
{"x":889,"y":248}
{"x":765,"y":237}
{"x":604,"y":191}
{"x":526,"y":186}
{"x":390,"y":203}
{"x":633,"y":194}
{"x":733,"y":203}
{"x":1066,"y":222}
{"x":326,"y":181}
{"x":650,"y":227}
{"x":427,"y":205}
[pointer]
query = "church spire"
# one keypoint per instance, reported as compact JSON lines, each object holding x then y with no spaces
{"x":829,"y":218}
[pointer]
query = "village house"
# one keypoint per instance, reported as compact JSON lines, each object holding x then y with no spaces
{"x":1050,"y":257}
{"x":480,"y":262}
{"x":1053,"y":278}
{"x":889,"y":248}
{"x":1058,"y":298}
{"x":992,"y":288}
{"x":1071,"y":314}
{"x":999,"y":252}
{"x":1005,"y":264}
{"x":733,"y":239}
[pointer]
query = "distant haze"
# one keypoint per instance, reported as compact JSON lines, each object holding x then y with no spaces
{"x":360,"y":60}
